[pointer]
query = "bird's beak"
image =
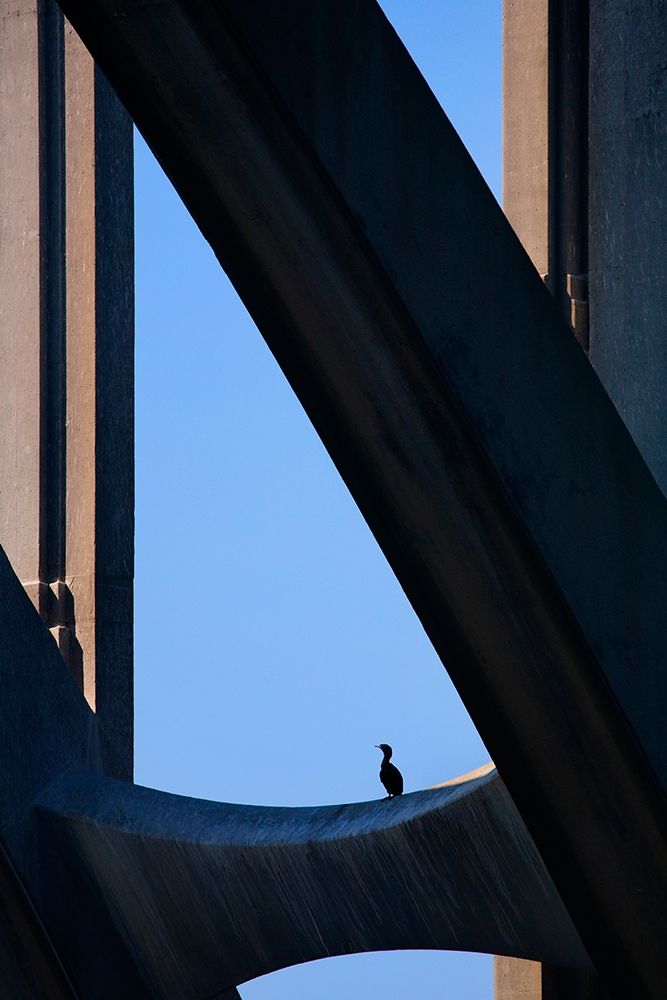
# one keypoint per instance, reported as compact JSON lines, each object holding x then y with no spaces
{"x":377,"y":746}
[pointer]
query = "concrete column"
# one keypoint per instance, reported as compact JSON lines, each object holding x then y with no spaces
{"x":515,"y":979}
{"x":545,"y":143}
{"x":585,"y":179}
{"x":628,"y":216}
{"x":21,"y":496}
{"x":526,"y":125}
{"x":545,"y":196}
{"x":66,"y":351}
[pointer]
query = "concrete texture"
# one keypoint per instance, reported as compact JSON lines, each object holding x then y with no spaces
{"x":526,"y":125}
{"x":20,"y":276}
{"x":584,"y":110}
{"x":545,"y":145}
{"x":545,"y":197}
{"x":185,"y":898}
{"x":628,"y":208}
{"x":452,"y":398}
{"x":99,"y":500}
{"x":585,"y":176}
{"x":516,"y":979}
{"x":30,"y":969}
{"x":66,"y":352}
{"x":46,"y":730}
{"x":208,"y":895}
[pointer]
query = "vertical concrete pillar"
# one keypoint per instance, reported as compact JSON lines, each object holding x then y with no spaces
{"x":21,"y":358}
{"x":66,"y":352}
{"x":545,"y":144}
{"x":514,"y":979}
{"x":628,"y":216}
{"x":526,"y":125}
{"x":585,"y":187}
{"x":545,"y":196}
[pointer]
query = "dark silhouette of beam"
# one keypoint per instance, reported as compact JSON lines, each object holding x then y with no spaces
{"x":29,"y":964}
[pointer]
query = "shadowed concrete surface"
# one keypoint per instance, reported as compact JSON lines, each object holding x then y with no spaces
{"x":29,"y":965}
{"x":51,"y":936}
{"x":480,"y":446}
{"x":46,"y":730}
{"x":208,"y":895}
{"x":628,"y":193}
{"x":141,"y":893}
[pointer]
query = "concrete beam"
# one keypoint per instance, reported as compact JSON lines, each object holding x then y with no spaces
{"x":29,"y":965}
{"x":187,"y":898}
{"x":480,"y":446}
{"x":207,"y":895}
{"x":545,"y":144}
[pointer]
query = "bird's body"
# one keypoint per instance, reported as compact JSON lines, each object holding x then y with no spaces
{"x":390,"y":776}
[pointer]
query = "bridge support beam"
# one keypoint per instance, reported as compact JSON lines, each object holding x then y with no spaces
{"x":474,"y":435}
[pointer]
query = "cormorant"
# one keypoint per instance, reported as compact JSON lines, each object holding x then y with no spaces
{"x":390,"y":776}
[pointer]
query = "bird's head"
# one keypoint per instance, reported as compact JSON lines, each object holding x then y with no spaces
{"x":385,"y":748}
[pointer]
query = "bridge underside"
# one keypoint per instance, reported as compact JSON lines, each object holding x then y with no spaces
{"x":478,"y":443}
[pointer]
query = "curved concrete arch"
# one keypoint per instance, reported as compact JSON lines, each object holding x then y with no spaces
{"x":208,"y":895}
{"x":151,"y":895}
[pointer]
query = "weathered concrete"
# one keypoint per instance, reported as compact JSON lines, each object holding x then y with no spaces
{"x":49,"y":939}
{"x":20,"y":515}
{"x":545,"y":192}
{"x":545,"y":144}
{"x":526,"y":125}
{"x":46,"y":729}
{"x":185,"y":898}
{"x":29,"y":966}
{"x":66,"y":351}
{"x":99,"y":501}
{"x":584,"y":110}
{"x":628,"y":213}
{"x":451,"y":396}
{"x":601,"y":152}
{"x":517,"y":979}
{"x":208,"y":895}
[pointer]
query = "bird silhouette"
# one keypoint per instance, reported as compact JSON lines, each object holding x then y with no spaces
{"x":390,"y":776}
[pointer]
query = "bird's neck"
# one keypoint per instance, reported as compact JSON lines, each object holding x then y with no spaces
{"x":386,"y":756}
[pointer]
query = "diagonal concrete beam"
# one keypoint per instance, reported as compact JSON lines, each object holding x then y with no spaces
{"x":207,"y":895}
{"x":482,"y":450}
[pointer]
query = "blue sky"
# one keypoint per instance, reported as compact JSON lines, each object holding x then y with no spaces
{"x":274,"y":646}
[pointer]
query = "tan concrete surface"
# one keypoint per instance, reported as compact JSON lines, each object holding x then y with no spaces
{"x":20,"y":320}
{"x":66,"y":351}
{"x":526,"y":124}
{"x":516,"y":979}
